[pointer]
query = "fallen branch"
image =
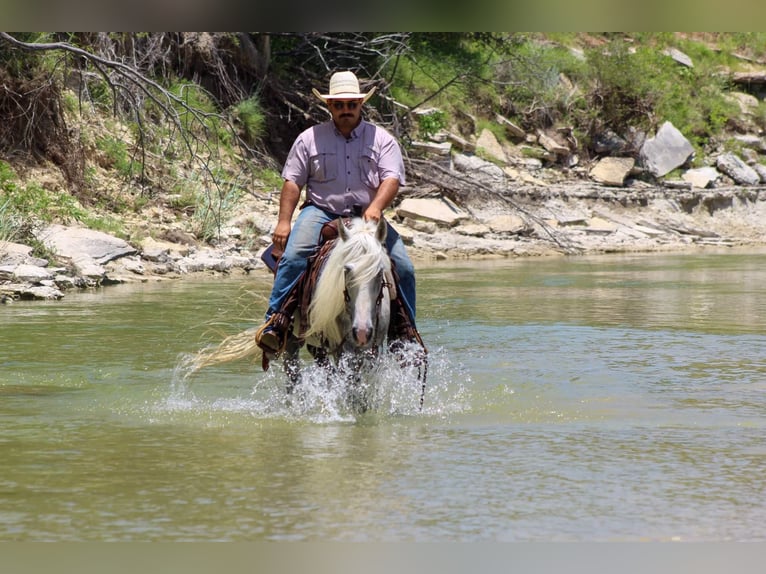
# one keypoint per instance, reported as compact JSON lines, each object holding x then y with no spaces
{"x":566,"y":246}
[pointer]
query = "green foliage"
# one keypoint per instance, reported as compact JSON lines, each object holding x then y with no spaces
{"x":641,"y":87}
{"x":625,"y":85}
{"x":199,"y":114}
{"x":441,"y":68}
{"x":251,"y":119}
{"x":533,"y":87}
{"x":431,"y":123}
{"x":23,"y":206}
{"x":116,"y":153}
{"x":10,"y":221}
{"x":269,"y":178}
{"x":210,"y":201}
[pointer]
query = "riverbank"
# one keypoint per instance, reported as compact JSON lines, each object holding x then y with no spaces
{"x":470,"y":210}
{"x":582,"y":218}
{"x":530,"y":220}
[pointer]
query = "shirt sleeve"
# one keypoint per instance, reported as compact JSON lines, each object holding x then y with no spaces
{"x":296,"y":164}
{"x":390,"y":162}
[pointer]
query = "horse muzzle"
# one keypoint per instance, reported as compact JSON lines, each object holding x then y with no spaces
{"x":362,"y":336}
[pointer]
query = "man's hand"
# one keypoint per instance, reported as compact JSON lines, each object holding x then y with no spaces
{"x":279,"y":238}
{"x":383,"y":198}
{"x":372,"y":213}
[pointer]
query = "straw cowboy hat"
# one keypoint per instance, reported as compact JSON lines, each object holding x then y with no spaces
{"x":344,"y":86}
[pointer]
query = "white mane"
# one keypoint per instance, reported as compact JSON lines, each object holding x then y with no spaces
{"x":366,"y":256}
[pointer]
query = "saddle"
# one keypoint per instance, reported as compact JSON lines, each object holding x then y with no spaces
{"x":400,"y":328}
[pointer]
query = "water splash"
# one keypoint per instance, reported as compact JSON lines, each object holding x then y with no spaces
{"x":393,"y":387}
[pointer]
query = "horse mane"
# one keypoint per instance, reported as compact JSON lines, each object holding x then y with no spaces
{"x":367,"y":255}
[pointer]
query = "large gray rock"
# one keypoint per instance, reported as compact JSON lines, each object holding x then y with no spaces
{"x":439,"y":210}
{"x":75,"y":242}
{"x":666,"y":151}
{"x":737,"y":169}
{"x":31,"y":273}
{"x":760,"y":169}
{"x":482,"y":170}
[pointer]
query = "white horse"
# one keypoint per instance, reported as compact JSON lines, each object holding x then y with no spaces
{"x":346,"y":322}
{"x":350,"y":308}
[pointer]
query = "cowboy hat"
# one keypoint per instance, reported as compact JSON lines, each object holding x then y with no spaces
{"x":344,"y":86}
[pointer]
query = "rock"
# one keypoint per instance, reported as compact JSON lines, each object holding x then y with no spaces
{"x":133,"y":264}
{"x":513,"y":131}
{"x":482,"y":170}
{"x":736,"y":169}
{"x":609,"y":143}
{"x":666,"y":151}
{"x":747,"y":103}
{"x":488,"y":143}
{"x":31,"y":274}
{"x":508,"y":224}
{"x":439,"y":149}
{"x":551,"y":144}
{"x":72,"y":242}
{"x":14,"y":291}
{"x":701,"y":177}
{"x":404,"y":232}
{"x":753,"y":141}
{"x":461,"y":143}
{"x":473,"y":229}
{"x":612,"y":170}
{"x":600,"y":225}
{"x":88,"y":268}
{"x":679,"y":57}
{"x":439,"y":210}
{"x":14,"y":253}
{"x":160,"y":251}
{"x":41,"y":292}
{"x":761,"y":171}
{"x":422,"y":226}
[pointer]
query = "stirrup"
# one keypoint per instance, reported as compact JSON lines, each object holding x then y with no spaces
{"x":271,"y":336}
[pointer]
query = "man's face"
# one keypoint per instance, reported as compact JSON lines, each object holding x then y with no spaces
{"x":345,"y":113}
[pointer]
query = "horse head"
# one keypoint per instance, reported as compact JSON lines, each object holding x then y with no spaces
{"x":366,"y":295}
{"x":350,"y":309}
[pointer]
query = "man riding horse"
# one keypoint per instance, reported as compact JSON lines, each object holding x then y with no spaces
{"x":348,"y":166}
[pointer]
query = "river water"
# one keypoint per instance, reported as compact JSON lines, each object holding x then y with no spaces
{"x":616,"y":398}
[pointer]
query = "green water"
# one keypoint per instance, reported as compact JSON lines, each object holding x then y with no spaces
{"x":584,"y":399}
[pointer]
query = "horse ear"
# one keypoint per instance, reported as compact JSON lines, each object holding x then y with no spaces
{"x":342,"y":230}
{"x":381,"y":231}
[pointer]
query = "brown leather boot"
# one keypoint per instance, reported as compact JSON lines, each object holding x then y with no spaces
{"x":272,"y":335}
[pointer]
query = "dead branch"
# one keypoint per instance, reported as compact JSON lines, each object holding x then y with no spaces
{"x":125,"y":81}
{"x":434,"y":173}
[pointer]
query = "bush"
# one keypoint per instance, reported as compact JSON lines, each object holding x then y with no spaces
{"x":251,"y":118}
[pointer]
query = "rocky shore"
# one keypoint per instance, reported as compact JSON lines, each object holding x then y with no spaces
{"x":573,"y":218}
{"x":461,"y":206}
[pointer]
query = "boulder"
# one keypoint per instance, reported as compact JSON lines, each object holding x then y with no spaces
{"x":666,"y":151}
{"x":612,"y":170}
{"x":72,"y":242}
{"x":489,"y":144}
{"x":701,"y":177}
{"x":439,"y":210}
{"x":737,"y":169}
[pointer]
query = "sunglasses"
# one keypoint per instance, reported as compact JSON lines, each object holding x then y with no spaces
{"x":339,"y":105}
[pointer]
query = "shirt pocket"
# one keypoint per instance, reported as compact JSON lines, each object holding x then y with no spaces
{"x":323,"y":167}
{"x":369,"y":171}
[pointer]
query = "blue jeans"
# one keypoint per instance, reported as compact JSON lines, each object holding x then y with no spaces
{"x":302,"y":242}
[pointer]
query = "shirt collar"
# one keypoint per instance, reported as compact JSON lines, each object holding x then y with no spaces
{"x":355,"y":133}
